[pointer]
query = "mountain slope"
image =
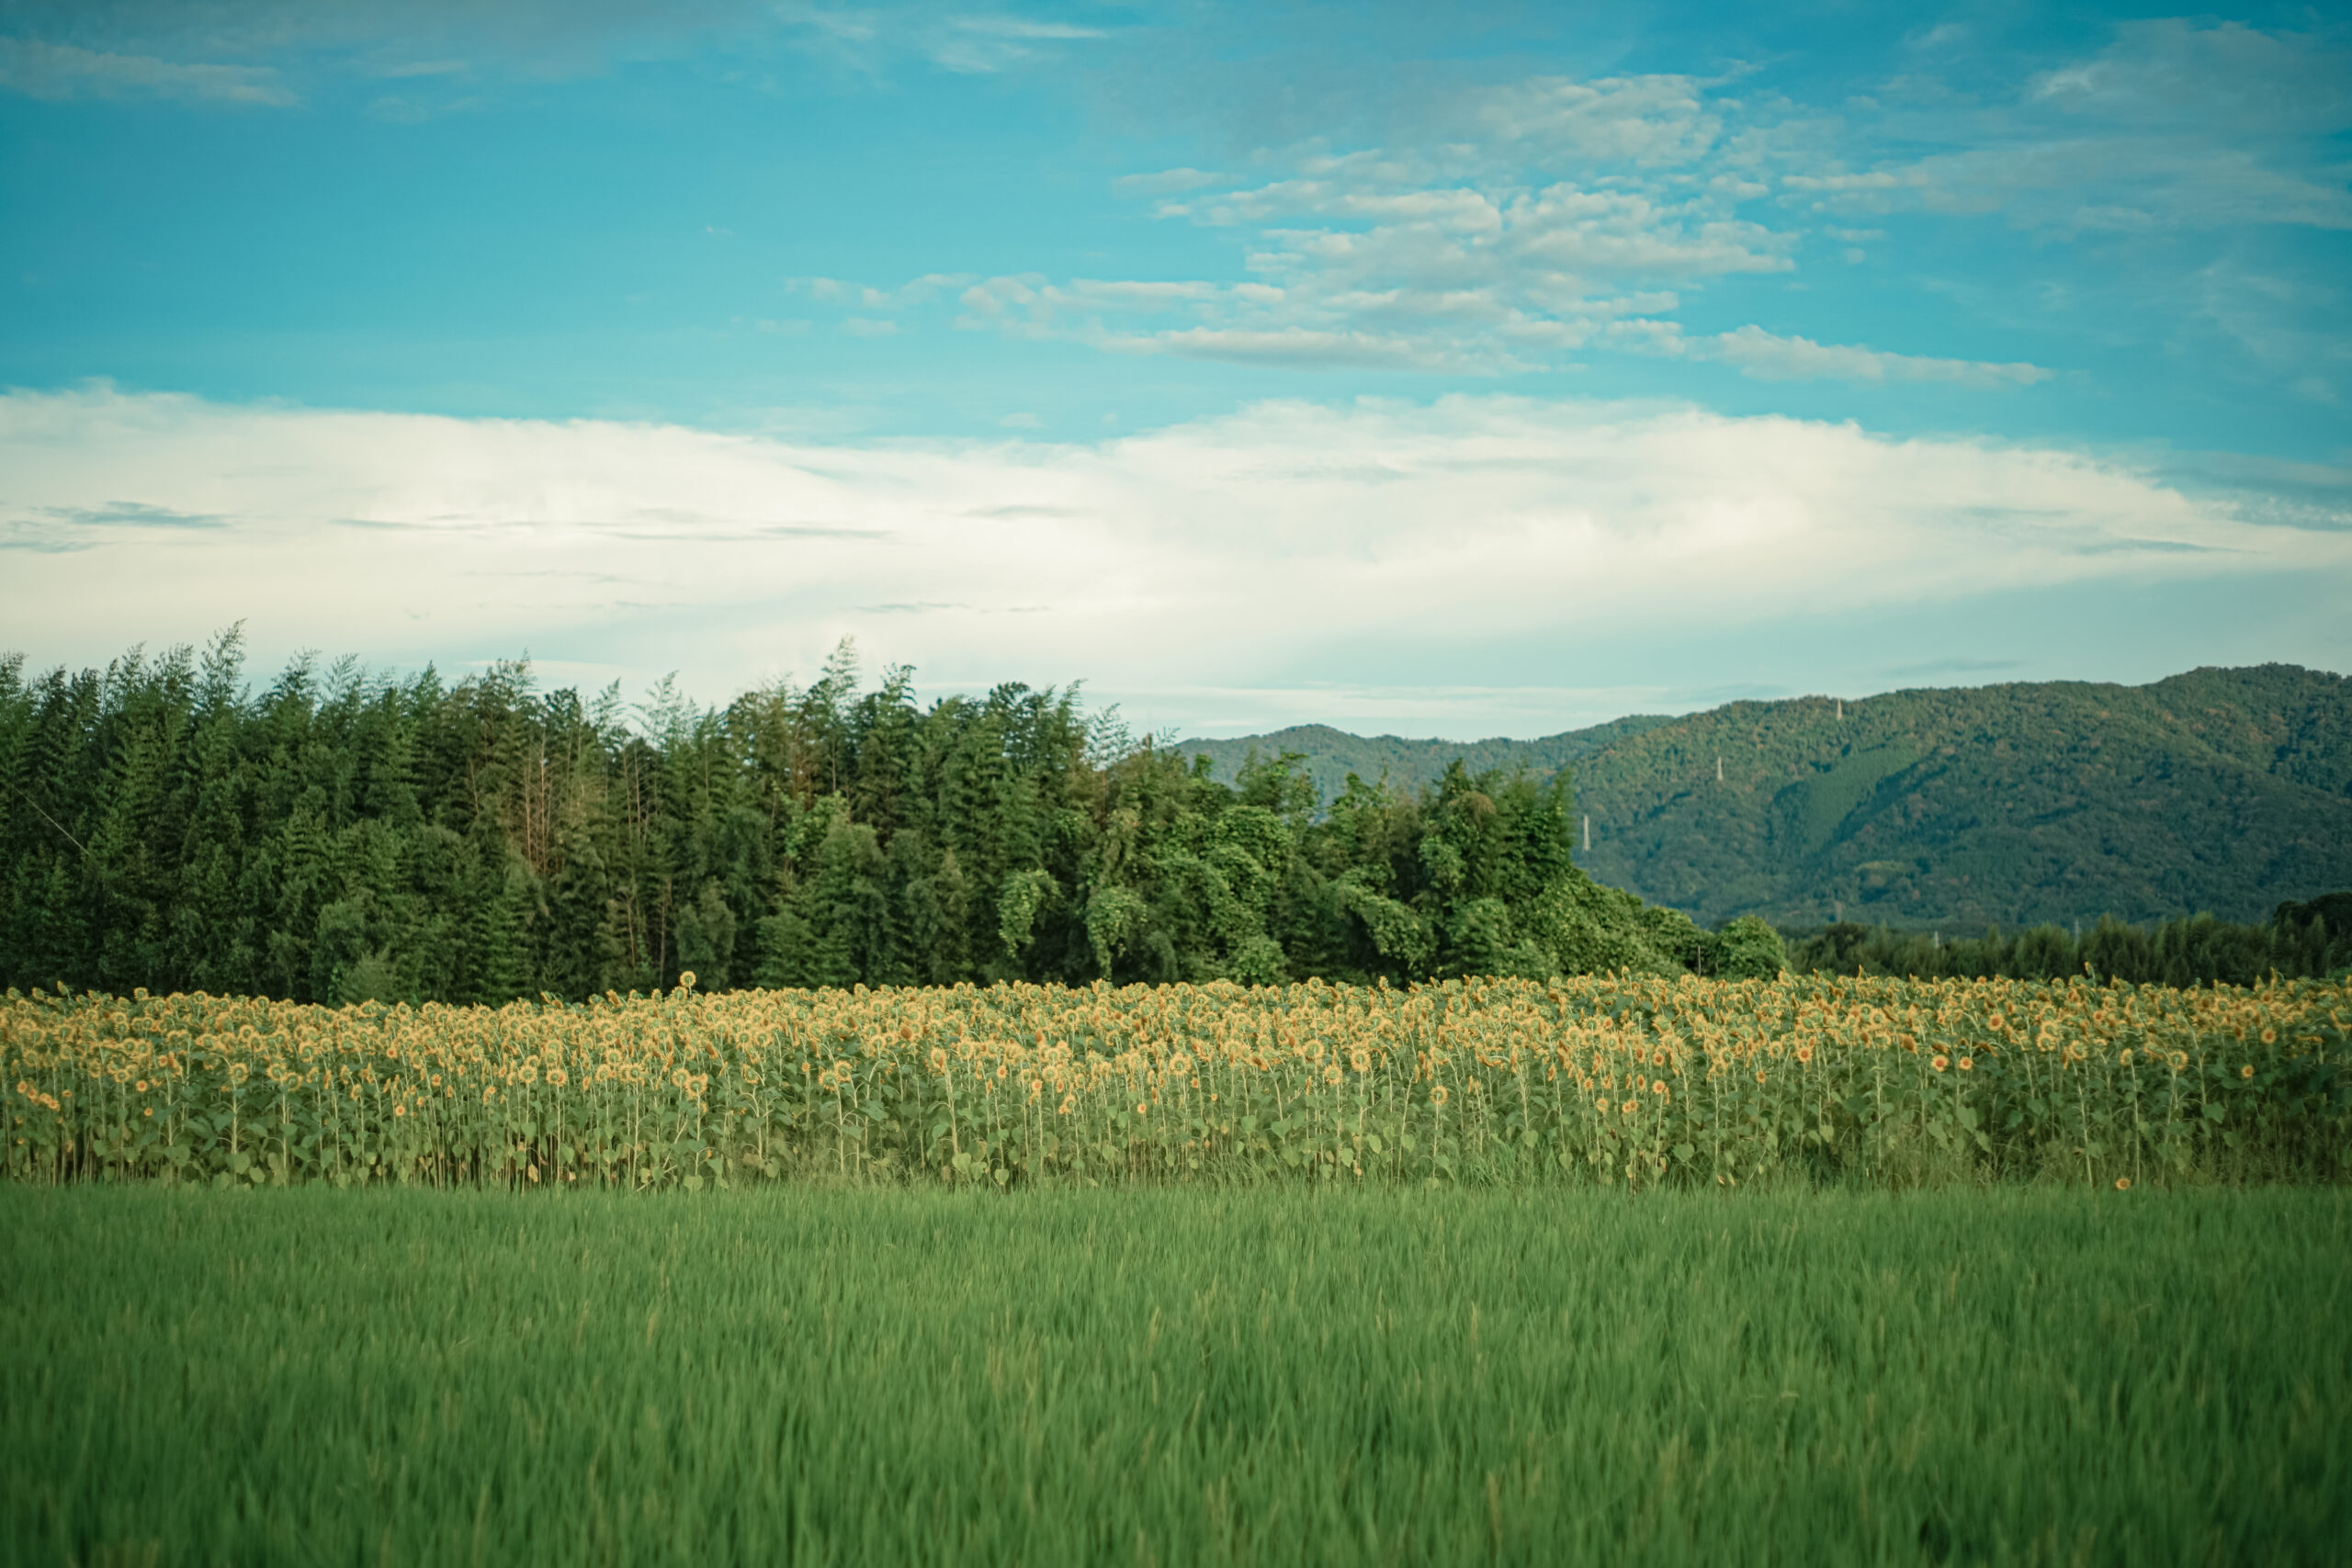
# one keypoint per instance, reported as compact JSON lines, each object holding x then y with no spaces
{"x":2226,"y":790}
{"x":1333,"y":754}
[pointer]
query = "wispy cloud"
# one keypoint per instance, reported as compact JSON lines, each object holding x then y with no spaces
{"x":1533,"y":225}
{"x":2173,"y":126}
{"x":1165,"y":182}
{"x":1467,"y":253}
{"x":872,"y":39}
{"x":62,"y":70}
{"x":1771,"y":357}
{"x":72,"y":527}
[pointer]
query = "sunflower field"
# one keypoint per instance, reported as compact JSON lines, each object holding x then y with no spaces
{"x":1633,"y":1081}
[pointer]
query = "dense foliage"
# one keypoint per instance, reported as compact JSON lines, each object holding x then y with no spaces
{"x":2307,"y":939}
{"x":333,"y":838}
{"x":2218,"y":790}
{"x":1630,"y":1082}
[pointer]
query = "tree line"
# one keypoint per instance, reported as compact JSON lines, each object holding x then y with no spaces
{"x":336,"y":835}
{"x":2310,"y":939}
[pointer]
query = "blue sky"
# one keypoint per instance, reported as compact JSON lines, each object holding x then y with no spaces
{"x":1449,"y":370}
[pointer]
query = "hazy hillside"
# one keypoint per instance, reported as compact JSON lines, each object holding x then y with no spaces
{"x":1333,"y":754}
{"x":2225,"y":790}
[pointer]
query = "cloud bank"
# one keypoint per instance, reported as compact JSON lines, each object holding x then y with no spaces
{"x":1292,"y":547}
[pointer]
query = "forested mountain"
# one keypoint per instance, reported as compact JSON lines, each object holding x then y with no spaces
{"x":2220,"y":790}
{"x":1327,"y":756}
{"x":335,"y":836}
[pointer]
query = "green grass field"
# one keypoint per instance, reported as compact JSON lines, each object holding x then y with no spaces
{"x":1173,"y":1377}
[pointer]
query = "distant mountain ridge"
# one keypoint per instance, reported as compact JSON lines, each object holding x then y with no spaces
{"x":1333,"y":754}
{"x":2226,"y":790}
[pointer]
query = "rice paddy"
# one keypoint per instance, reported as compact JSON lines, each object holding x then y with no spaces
{"x":1166,"y":1376}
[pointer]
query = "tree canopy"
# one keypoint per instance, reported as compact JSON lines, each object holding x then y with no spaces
{"x":336,"y":835}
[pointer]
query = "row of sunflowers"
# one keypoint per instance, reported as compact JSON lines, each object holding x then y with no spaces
{"x":1612,"y":1080}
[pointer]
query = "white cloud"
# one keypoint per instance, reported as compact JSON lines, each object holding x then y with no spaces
{"x":1165,"y":183}
{"x":1771,"y":357}
{"x":2093,"y":185}
{"x":1449,"y":256}
{"x":1520,"y":227}
{"x":1289,"y":543}
{"x":988,"y":43}
{"x":61,"y":70}
{"x":1304,"y":349}
{"x":973,"y":43}
{"x":2173,"y":126}
{"x":1643,"y":122}
{"x":1020,"y":27}
{"x":2223,"y":79}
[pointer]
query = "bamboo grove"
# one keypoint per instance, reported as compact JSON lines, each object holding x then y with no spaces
{"x":334,"y":837}
{"x":1633,"y":1080}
